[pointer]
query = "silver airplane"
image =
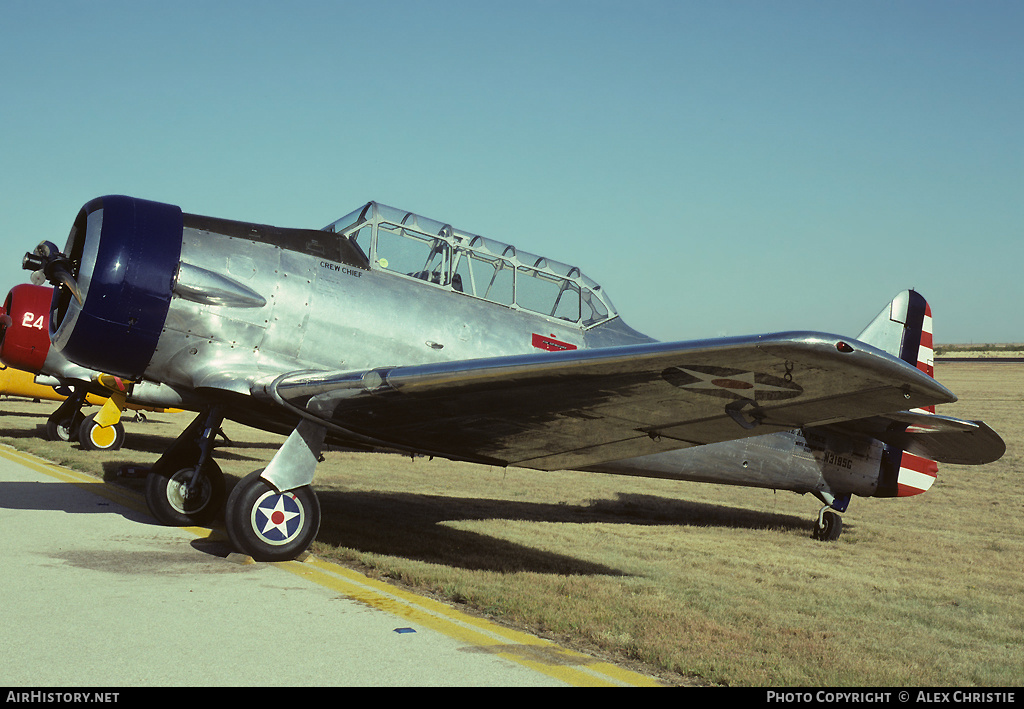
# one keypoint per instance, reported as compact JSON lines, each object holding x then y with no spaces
{"x":386,"y":330}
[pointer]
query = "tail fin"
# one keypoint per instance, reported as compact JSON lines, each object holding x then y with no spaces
{"x":913,"y":441}
{"x":904,"y":330}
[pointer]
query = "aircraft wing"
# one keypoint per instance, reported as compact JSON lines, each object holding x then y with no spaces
{"x":571,"y":409}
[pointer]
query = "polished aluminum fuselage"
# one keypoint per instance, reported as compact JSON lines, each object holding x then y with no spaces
{"x":280,"y":310}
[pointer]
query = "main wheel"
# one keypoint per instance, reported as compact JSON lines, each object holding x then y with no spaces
{"x":269,"y":525}
{"x":59,"y":430}
{"x":829,"y":528}
{"x":168,"y":498}
{"x":94,"y":437}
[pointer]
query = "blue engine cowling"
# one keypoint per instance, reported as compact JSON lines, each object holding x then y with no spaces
{"x":124,"y":254}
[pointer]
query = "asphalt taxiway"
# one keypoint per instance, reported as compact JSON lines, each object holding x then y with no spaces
{"x":97,"y":594}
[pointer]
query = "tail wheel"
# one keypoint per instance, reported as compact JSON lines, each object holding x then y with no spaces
{"x":100,"y":438}
{"x":269,"y":525}
{"x":829,"y":527}
{"x":173,"y":503}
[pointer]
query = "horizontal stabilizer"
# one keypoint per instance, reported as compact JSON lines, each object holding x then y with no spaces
{"x":974,"y":447}
{"x":943,"y":439}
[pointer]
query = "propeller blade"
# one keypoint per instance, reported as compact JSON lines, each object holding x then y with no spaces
{"x":61,"y":274}
{"x":47,"y":262}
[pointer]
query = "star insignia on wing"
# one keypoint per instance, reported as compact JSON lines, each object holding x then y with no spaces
{"x":730,"y":383}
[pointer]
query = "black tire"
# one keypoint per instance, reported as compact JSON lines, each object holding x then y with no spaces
{"x":62,"y":424}
{"x":830,"y":528}
{"x":59,"y":430}
{"x":93,"y":437}
{"x":166,"y":501}
{"x":268,"y":525}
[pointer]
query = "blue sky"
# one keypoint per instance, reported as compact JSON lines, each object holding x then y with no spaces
{"x":722,"y":168}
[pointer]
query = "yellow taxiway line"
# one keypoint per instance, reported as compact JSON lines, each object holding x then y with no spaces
{"x":541,"y":655}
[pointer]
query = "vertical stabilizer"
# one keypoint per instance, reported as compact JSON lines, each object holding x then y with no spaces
{"x":904,"y":330}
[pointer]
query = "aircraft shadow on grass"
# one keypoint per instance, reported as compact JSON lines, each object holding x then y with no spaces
{"x":413,"y":526}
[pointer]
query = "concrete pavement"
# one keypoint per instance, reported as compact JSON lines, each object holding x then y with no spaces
{"x":95,"y":593}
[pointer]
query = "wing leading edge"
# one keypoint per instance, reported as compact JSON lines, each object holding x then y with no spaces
{"x":567,"y":410}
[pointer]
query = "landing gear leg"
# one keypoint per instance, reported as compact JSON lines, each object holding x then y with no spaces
{"x":64,"y":422}
{"x":273,"y":514}
{"x":186,"y":486}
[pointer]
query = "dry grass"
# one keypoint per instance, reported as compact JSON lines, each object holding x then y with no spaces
{"x":695,"y":582}
{"x":981,"y":350}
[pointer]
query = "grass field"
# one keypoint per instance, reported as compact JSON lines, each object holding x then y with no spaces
{"x":981,"y":350}
{"x":696,"y":583}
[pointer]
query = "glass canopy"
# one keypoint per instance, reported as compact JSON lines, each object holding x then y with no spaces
{"x":413,"y":246}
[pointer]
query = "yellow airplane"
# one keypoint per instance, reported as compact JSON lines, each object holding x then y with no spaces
{"x":17,"y":382}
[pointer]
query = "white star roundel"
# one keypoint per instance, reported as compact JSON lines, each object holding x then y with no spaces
{"x":277,"y":518}
{"x":730,"y":383}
